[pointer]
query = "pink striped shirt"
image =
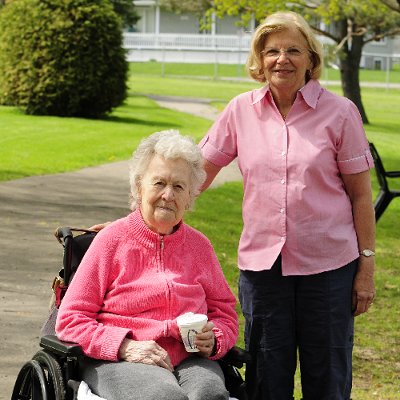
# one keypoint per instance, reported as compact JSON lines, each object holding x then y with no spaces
{"x":294,"y":200}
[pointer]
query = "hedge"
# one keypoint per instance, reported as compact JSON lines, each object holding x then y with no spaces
{"x":62,"y":57}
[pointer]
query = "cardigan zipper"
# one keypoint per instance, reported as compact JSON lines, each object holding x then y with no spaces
{"x":160,"y":260}
{"x":168,"y":291}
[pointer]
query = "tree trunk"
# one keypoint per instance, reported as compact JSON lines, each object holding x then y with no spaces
{"x":350,"y":69}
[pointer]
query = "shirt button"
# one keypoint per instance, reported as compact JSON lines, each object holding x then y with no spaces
{"x":283,"y":153}
{"x":282,"y":181}
{"x":282,"y":239}
{"x":282,"y":210}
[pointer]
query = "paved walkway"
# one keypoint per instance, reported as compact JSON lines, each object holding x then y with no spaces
{"x":30,"y":210}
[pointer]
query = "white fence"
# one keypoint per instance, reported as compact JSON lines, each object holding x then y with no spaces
{"x":186,"y":42}
{"x":206,"y":48}
{"x":176,"y":48}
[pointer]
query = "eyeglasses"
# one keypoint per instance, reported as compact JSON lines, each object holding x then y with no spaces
{"x":291,"y":53}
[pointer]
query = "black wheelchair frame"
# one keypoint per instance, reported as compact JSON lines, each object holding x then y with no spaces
{"x":52,"y":373}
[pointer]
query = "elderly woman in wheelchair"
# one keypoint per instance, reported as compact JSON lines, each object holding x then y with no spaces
{"x":139,"y":275}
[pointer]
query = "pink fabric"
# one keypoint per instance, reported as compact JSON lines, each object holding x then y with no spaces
{"x":130,"y":285}
{"x":294,"y":201}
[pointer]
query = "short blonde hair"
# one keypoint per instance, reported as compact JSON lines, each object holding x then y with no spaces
{"x":169,"y":144}
{"x":277,"y":22}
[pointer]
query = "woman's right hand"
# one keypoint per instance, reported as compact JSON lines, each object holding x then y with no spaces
{"x":145,"y":352}
{"x":99,"y":227}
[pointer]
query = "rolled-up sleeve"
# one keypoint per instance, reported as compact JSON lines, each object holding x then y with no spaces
{"x":222,"y":135}
{"x":354,"y":155}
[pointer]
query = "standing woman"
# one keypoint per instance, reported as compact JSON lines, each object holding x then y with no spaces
{"x":306,"y":254}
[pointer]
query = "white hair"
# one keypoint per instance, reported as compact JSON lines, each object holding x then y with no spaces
{"x":168,"y":144}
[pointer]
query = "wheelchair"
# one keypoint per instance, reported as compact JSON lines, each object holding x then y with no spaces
{"x":52,"y":373}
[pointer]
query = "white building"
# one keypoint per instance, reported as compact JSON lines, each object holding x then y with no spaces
{"x":165,"y":36}
{"x":156,"y":20}
{"x":382,"y":54}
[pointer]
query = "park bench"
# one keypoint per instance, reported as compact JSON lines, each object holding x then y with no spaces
{"x":385,"y":195}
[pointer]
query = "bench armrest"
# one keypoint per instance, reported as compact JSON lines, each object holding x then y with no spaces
{"x":393,"y":174}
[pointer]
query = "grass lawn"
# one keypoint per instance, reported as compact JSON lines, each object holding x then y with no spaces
{"x":41,"y":145}
{"x":231,"y":70}
{"x":37,"y":145}
{"x":190,"y":87}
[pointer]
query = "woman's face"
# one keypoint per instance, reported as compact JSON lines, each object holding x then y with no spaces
{"x":164,"y":193}
{"x":286,"y":60}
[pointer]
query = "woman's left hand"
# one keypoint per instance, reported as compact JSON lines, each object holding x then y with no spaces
{"x":205,"y":340}
{"x":363,"y":286}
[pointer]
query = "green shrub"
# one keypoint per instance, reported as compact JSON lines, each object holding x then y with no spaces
{"x":62,"y":57}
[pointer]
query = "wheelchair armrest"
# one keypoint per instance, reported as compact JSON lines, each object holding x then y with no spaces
{"x":237,"y":357}
{"x":68,"y":349}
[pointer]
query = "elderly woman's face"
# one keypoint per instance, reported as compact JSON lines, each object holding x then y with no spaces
{"x":164,"y":193}
{"x":286,"y":60}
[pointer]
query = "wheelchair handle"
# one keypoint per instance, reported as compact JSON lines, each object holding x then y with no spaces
{"x":63,"y":233}
{"x":237,"y":357}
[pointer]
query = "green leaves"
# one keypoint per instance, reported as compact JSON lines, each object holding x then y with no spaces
{"x":62,"y":57}
{"x":364,"y":13}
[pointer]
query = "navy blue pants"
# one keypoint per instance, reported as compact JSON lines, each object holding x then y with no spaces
{"x":309,"y":316}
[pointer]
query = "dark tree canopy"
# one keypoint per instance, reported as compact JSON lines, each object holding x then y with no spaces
{"x":126,"y":10}
{"x":62,"y":57}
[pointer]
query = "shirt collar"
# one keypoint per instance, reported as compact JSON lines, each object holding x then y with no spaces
{"x":260,"y":94}
{"x":310,"y":92}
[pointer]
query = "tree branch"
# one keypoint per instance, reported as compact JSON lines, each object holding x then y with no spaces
{"x":326,"y":34}
{"x":382,"y":35}
{"x":393,"y":4}
{"x":317,"y":3}
{"x":360,"y":32}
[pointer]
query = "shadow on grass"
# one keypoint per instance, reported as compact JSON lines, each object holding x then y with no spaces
{"x":131,"y":120}
{"x":388,"y":128}
{"x":8,"y":175}
{"x":133,"y":108}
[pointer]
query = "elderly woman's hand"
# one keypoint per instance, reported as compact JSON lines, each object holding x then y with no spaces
{"x":205,"y":340}
{"x":145,"y":352}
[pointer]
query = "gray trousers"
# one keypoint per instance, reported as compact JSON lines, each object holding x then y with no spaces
{"x":195,"y":378}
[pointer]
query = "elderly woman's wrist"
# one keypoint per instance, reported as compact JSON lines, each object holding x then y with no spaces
{"x":122,"y":348}
{"x":215,"y":348}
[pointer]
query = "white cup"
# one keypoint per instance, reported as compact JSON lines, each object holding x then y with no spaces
{"x":190,"y":325}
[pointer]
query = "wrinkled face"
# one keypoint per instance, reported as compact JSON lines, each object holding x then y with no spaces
{"x":164,"y":193}
{"x":286,"y":60}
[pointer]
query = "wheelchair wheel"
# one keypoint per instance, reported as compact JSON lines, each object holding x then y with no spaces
{"x":40,"y":379}
{"x":30,"y":383}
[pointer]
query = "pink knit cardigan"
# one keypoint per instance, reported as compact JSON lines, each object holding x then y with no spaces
{"x":134,"y":283}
